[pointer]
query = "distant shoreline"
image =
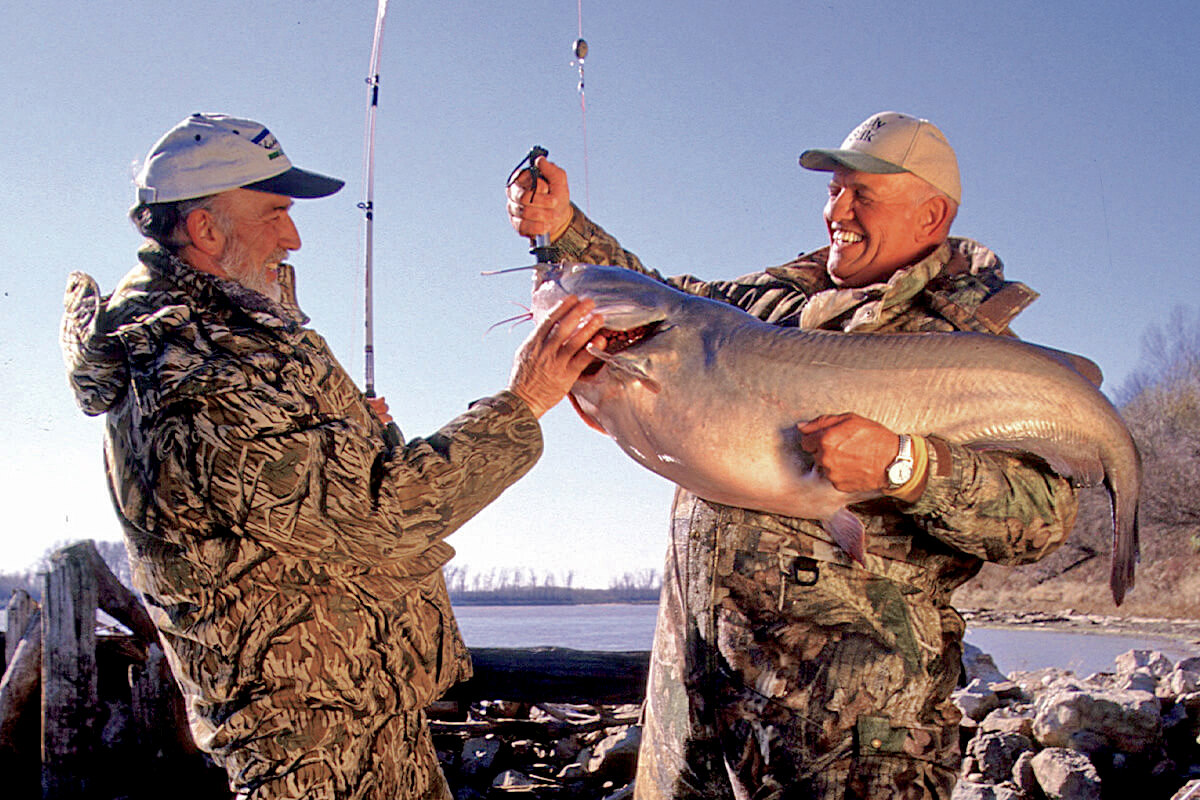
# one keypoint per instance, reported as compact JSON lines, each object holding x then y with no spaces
{"x":492,"y":601}
{"x":1186,"y":630}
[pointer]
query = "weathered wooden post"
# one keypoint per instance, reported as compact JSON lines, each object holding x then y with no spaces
{"x":69,"y":678}
{"x":20,"y":608}
{"x":20,"y":683}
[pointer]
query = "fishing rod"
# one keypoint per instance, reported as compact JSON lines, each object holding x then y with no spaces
{"x":391,"y":433}
{"x":368,"y":205}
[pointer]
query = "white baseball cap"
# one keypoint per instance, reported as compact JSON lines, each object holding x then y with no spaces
{"x":210,"y":153}
{"x":890,"y":142}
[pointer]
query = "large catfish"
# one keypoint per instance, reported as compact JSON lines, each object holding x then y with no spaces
{"x":709,"y":397}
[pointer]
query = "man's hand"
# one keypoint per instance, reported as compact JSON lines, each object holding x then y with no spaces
{"x":852,"y":452}
{"x":554,"y":355}
{"x":380,"y":407}
{"x":546,"y":211}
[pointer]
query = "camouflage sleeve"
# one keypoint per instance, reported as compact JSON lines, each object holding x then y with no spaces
{"x":333,"y":488}
{"x":995,"y":505}
{"x":759,"y":293}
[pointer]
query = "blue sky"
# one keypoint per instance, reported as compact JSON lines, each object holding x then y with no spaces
{"x":1074,"y":124}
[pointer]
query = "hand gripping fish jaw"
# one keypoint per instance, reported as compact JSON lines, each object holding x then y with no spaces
{"x":628,"y":320}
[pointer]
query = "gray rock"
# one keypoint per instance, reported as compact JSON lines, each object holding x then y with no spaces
{"x":1183,"y":680}
{"x":969,"y":790}
{"x":479,"y":754}
{"x":980,"y":666}
{"x":1131,"y":660}
{"x":1009,"y":719}
{"x":1023,"y":775}
{"x":1139,"y":680}
{"x":1130,"y":722}
{"x":1037,"y":682}
{"x":976,"y":700}
{"x":1066,"y":775}
{"x":616,"y":755}
{"x":995,"y":754}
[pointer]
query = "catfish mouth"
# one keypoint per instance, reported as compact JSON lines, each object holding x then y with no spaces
{"x":619,"y":341}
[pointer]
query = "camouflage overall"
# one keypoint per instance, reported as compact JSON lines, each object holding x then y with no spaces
{"x":290,"y":557}
{"x":782,"y":669}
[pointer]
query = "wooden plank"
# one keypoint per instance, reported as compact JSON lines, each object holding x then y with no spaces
{"x":69,"y":678}
{"x":116,"y":599}
{"x":555,"y":675}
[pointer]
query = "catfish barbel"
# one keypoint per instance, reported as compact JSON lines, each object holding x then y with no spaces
{"x":709,"y":397}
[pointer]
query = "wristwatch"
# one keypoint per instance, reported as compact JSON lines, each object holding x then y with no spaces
{"x":900,"y":471}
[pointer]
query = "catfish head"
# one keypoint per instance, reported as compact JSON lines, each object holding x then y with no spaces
{"x":635,"y":309}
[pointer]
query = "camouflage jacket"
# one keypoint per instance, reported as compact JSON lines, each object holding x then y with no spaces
{"x":290,"y":557}
{"x":992,"y":506}
{"x":781,"y":668}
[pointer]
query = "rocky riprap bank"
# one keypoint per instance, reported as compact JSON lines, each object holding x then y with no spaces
{"x":1129,"y":733}
{"x":1039,"y":735}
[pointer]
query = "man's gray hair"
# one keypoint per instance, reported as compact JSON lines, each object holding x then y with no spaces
{"x":166,"y":223}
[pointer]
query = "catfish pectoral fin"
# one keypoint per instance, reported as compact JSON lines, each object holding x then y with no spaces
{"x":627,"y":367}
{"x":847,"y":531}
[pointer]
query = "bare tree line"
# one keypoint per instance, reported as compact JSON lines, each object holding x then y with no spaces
{"x":505,"y":585}
{"x":1161,"y":405}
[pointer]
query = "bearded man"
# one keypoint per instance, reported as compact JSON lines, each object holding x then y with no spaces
{"x":781,"y":668}
{"x":287,"y":548}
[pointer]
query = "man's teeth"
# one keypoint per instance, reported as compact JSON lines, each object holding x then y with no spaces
{"x":846,"y":237}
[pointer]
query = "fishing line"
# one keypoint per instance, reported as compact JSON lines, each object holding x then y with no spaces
{"x":580,"y":49}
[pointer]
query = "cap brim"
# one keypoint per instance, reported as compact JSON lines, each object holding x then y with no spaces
{"x":829,"y":160}
{"x":300,"y":183}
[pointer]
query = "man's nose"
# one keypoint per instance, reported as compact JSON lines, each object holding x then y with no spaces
{"x":838,"y":206}
{"x":289,"y":235}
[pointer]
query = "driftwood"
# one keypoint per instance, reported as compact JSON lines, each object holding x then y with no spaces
{"x":530,"y":729}
{"x":555,"y":675}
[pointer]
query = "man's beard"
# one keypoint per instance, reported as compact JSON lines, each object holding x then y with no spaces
{"x":236,"y":263}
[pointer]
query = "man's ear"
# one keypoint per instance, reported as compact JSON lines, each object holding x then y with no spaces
{"x":204,"y":234}
{"x":934,"y":218}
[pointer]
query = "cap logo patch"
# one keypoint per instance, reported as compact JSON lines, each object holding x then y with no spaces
{"x":266,"y":141}
{"x":868,"y":129}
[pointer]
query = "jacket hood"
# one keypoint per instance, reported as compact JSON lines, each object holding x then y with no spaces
{"x":96,"y":367}
{"x":157,"y":298}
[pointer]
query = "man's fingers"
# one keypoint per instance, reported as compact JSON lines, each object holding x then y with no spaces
{"x":822,"y":422}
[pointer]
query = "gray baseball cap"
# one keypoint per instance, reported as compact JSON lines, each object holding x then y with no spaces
{"x":210,"y":153}
{"x":890,"y":142}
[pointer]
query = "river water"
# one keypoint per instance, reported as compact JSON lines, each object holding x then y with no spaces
{"x":631,"y":627}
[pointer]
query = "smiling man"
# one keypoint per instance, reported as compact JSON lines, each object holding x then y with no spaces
{"x":781,"y":668}
{"x":287,"y":547}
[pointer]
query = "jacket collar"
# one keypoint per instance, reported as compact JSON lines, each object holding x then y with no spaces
{"x":211,"y":289}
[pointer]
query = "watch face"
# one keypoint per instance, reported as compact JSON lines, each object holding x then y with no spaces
{"x":899,"y":473}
